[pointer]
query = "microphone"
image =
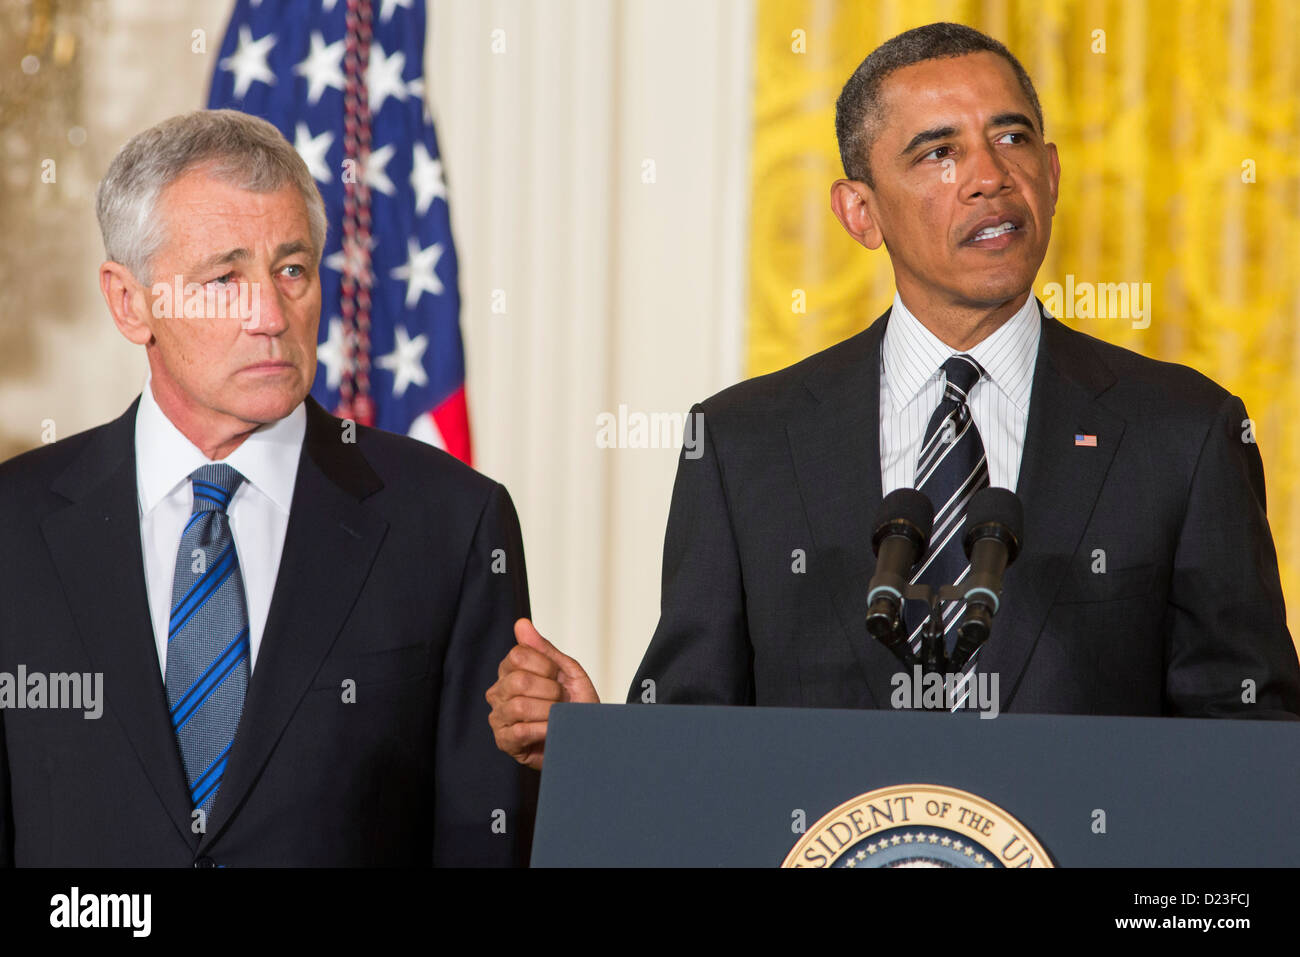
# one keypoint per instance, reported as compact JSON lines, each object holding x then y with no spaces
{"x":995,"y":522}
{"x":903,"y":527}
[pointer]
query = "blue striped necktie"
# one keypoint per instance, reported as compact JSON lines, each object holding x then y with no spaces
{"x":207,"y":638}
{"x":951,"y":468}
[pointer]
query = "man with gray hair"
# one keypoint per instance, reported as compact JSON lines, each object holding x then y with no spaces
{"x":295,"y":616}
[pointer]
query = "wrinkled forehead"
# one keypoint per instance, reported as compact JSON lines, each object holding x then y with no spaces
{"x":951,"y":92}
{"x":201,"y":212}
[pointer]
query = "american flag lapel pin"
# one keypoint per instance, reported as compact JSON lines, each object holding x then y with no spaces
{"x":1083,"y":438}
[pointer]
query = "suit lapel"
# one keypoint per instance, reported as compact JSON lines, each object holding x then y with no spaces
{"x":95,"y":546}
{"x":1058,"y":484}
{"x":329,"y":547}
{"x":835,"y":445}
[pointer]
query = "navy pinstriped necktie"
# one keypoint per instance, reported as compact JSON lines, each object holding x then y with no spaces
{"x":207,"y":637}
{"x":951,"y":468}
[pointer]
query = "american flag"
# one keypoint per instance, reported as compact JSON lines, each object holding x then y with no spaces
{"x":343,"y":81}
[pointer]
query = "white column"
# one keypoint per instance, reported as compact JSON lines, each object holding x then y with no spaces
{"x":617,"y":291}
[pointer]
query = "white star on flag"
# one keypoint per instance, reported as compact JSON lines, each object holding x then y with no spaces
{"x":312,"y":149}
{"x":350,"y":260}
{"x":384,"y":77}
{"x":386,"y":13}
{"x":406,"y":361}
{"x":375,"y":176}
{"x":426,"y":179}
{"x":330,"y":353}
{"x":322,"y":67}
{"x":419,"y":271}
{"x":248,"y":62}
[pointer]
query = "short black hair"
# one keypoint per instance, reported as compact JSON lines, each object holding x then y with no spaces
{"x":857,"y":111}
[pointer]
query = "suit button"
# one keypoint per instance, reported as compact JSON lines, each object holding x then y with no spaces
{"x":205,"y":862}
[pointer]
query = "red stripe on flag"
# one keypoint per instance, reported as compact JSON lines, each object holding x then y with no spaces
{"x":452,"y":419}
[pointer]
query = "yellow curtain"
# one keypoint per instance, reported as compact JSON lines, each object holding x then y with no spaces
{"x":1178,"y":126}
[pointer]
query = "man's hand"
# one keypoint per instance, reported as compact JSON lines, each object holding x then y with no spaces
{"x":531,"y":678}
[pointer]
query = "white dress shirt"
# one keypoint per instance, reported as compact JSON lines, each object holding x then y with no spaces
{"x":912,"y":383}
{"x":259,"y":509}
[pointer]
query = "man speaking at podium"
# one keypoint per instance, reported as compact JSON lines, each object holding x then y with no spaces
{"x":1148,"y":581}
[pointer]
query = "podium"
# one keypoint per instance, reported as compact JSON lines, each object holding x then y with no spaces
{"x":702,"y":786}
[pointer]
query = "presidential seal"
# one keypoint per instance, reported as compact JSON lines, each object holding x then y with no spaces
{"x":918,"y":825}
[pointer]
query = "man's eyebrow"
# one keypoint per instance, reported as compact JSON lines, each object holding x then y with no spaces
{"x":1013,"y":119}
{"x":292,"y":248}
{"x":943,"y":132}
{"x":241,"y":254}
{"x":220,"y":259}
{"x":926,"y":136}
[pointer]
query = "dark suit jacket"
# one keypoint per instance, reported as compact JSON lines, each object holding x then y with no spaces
{"x":386,"y":579}
{"x":1188,"y":609}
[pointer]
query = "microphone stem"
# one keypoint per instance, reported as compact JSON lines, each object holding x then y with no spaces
{"x":932,"y":651}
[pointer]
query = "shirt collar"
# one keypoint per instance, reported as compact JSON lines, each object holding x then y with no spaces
{"x":268,"y":459}
{"x":912,"y":354}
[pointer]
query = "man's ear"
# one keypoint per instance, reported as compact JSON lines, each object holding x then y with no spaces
{"x":853,"y":203}
{"x":128,"y":302}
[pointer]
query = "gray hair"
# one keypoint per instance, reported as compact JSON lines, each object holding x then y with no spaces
{"x":857,"y":111}
{"x":236,"y":148}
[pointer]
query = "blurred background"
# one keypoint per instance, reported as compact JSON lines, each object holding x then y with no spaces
{"x":638,"y":195}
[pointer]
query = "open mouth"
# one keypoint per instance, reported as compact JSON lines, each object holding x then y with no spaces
{"x":992,"y":232}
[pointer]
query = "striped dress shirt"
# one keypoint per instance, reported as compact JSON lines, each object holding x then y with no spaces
{"x":911,"y":387}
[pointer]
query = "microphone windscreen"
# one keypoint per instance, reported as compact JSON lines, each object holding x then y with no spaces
{"x":999,"y":506}
{"x":909,"y":505}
